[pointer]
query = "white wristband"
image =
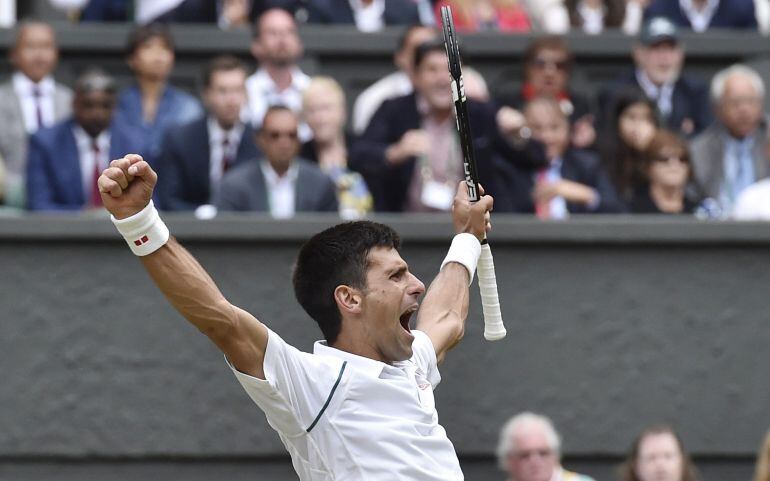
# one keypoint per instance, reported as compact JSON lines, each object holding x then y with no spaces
{"x":144,"y":231}
{"x":465,"y":250}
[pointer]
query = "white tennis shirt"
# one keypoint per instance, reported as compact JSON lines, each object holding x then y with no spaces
{"x":345,"y":417}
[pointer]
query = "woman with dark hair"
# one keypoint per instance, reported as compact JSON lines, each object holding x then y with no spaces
{"x":151,"y":104}
{"x":666,"y":168}
{"x":658,"y":454}
{"x":631,"y":124}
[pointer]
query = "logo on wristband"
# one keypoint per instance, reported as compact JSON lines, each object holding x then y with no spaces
{"x":141,"y":241}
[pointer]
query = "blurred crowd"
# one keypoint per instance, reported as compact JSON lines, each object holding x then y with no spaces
{"x":656,"y":140}
{"x":529,"y":449}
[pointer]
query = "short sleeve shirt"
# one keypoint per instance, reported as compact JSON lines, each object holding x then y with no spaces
{"x":344,"y":417}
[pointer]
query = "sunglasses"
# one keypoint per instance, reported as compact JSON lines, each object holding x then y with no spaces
{"x":275,"y":134}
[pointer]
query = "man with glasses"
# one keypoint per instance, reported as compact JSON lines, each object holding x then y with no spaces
{"x":281,"y":183}
{"x":530,"y":448}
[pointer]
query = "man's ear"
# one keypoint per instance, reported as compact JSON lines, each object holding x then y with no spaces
{"x":348,"y":299}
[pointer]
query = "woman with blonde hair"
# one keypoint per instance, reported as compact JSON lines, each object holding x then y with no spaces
{"x":323,"y":107}
{"x":763,"y":461}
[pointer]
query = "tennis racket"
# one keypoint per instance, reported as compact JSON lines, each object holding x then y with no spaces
{"x":490,"y":302}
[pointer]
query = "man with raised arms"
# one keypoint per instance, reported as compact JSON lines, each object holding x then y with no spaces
{"x":361,"y":406}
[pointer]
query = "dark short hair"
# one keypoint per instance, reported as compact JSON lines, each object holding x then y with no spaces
{"x":334,"y":257}
{"x":145,"y":33}
{"x":221,"y":63}
{"x":255,"y":32}
{"x":425,"y":48}
{"x":549,"y":42}
{"x":95,"y":80}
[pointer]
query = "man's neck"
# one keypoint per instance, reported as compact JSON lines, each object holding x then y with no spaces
{"x":280,"y":75}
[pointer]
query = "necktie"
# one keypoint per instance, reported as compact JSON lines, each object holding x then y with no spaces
{"x":96,"y":198}
{"x":542,"y":208}
{"x":227,"y":159}
{"x":38,"y":111}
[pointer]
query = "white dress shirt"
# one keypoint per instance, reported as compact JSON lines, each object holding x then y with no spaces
{"x":661,"y":95}
{"x":25,"y":91}
{"x":368,"y":18}
{"x":699,"y":19}
{"x":217,"y":152}
{"x":88,"y":161}
{"x":754,"y":202}
{"x":263,"y":93}
{"x":344,"y":417}
{"x":281,"y":190}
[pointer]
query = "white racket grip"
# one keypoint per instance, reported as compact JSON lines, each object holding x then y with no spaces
{"x":494,"y":329}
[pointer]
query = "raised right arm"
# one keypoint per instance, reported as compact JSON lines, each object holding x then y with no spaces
{"x":126,"y":188}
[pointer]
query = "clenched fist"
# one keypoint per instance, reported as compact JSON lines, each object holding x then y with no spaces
{"x":126,"y":186}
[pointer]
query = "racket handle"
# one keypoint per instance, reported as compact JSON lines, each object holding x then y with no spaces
{"x":490,"y":302}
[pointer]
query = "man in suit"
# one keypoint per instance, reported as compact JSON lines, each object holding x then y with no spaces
{"x":366,"y":15}
{"x":700,"y":15}
{"x":66,"y":160}
{"x":195,"y":156}
{"x":409,"y":153}
{"x":281,"y":183}
{"x":682,"y":100}
{"x":730,"y":155}
{"x":32,"y":99}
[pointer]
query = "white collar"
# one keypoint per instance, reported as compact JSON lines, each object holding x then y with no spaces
{"x":24,"y":85}
{"x":368,"y":366}
{"x":84,"y":140}
{"x":299,"y":80}
{"x":272,"y":177}
{"x":217,"y":133}
{"x":649,"y":86}
{"x":699,"y":19}
{"x":593,"y":18}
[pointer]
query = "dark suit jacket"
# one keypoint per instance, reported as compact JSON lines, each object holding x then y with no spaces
{"x":105,"y":11}
{"x":397,"y":12}
{"x":389,"y":185}
{"x":184,"y":162}
{"x":578,"y":166}
{"x":243,"y":189}
{"x":729,"y":14}
{"x":690,"y":104}
{"x":54,"y":180}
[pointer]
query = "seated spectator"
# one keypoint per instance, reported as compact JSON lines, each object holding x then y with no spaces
{"x":151,"y":104}
{"x":682,"y":100}
{"x":395,"y":84}
{"x":66,"y":160}
{"x":666,"y":168}
{"x":572,"y":181}
{"x":700,"y":15}
{"x":325,"y":112}
{"x":140,"y":11}
{"x":658,"y":453}
{"x":409,"y":154}
{"x":366,"y":15}
{"x":196,"y":155}
{"x":631,"y":126}
{"x":753,"y":202}
{"x":595,"y":16}
{"x":762,"y":471}
{"x":487,"y":15}
{"x":227,"y":14}
{"x":547,"y":65}
{"x":548,"y":16}
{"x":730,"y":155}
{"x":281,"y":183}
{"x":30,"y":100}
{"x":529,"y":449}
{"x":278,"y":80}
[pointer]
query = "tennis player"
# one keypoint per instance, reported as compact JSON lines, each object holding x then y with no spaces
{"x":361,"y":406}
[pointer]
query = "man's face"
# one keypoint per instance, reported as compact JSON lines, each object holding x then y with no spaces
{"x":405,"y":57}
{"x":93,"y":110}
{"x":390,"y":298}
{"x":35,"y":54}
{"x":226,"y":95}
{"x":662,"y":61}
{"x":278,"y":139}
{"x":550,"y":127}
{"x":432,"y":81}
{"x":278,"y":42}
{"x":659,"y":458}
{"x":153,"y":59}
{"x":549,"y":72}
{"x":740,"y":108}
{"x":533,"y":458}
{"x":325,"y":115}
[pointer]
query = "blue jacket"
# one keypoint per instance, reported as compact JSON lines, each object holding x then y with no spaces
{"x":54,"y":180}
{"x":729,"y":14}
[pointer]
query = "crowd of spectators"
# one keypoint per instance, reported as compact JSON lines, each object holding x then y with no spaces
{"x":655,"y":140}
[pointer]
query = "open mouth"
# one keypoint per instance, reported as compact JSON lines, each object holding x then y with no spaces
{"x":406,"y":317}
